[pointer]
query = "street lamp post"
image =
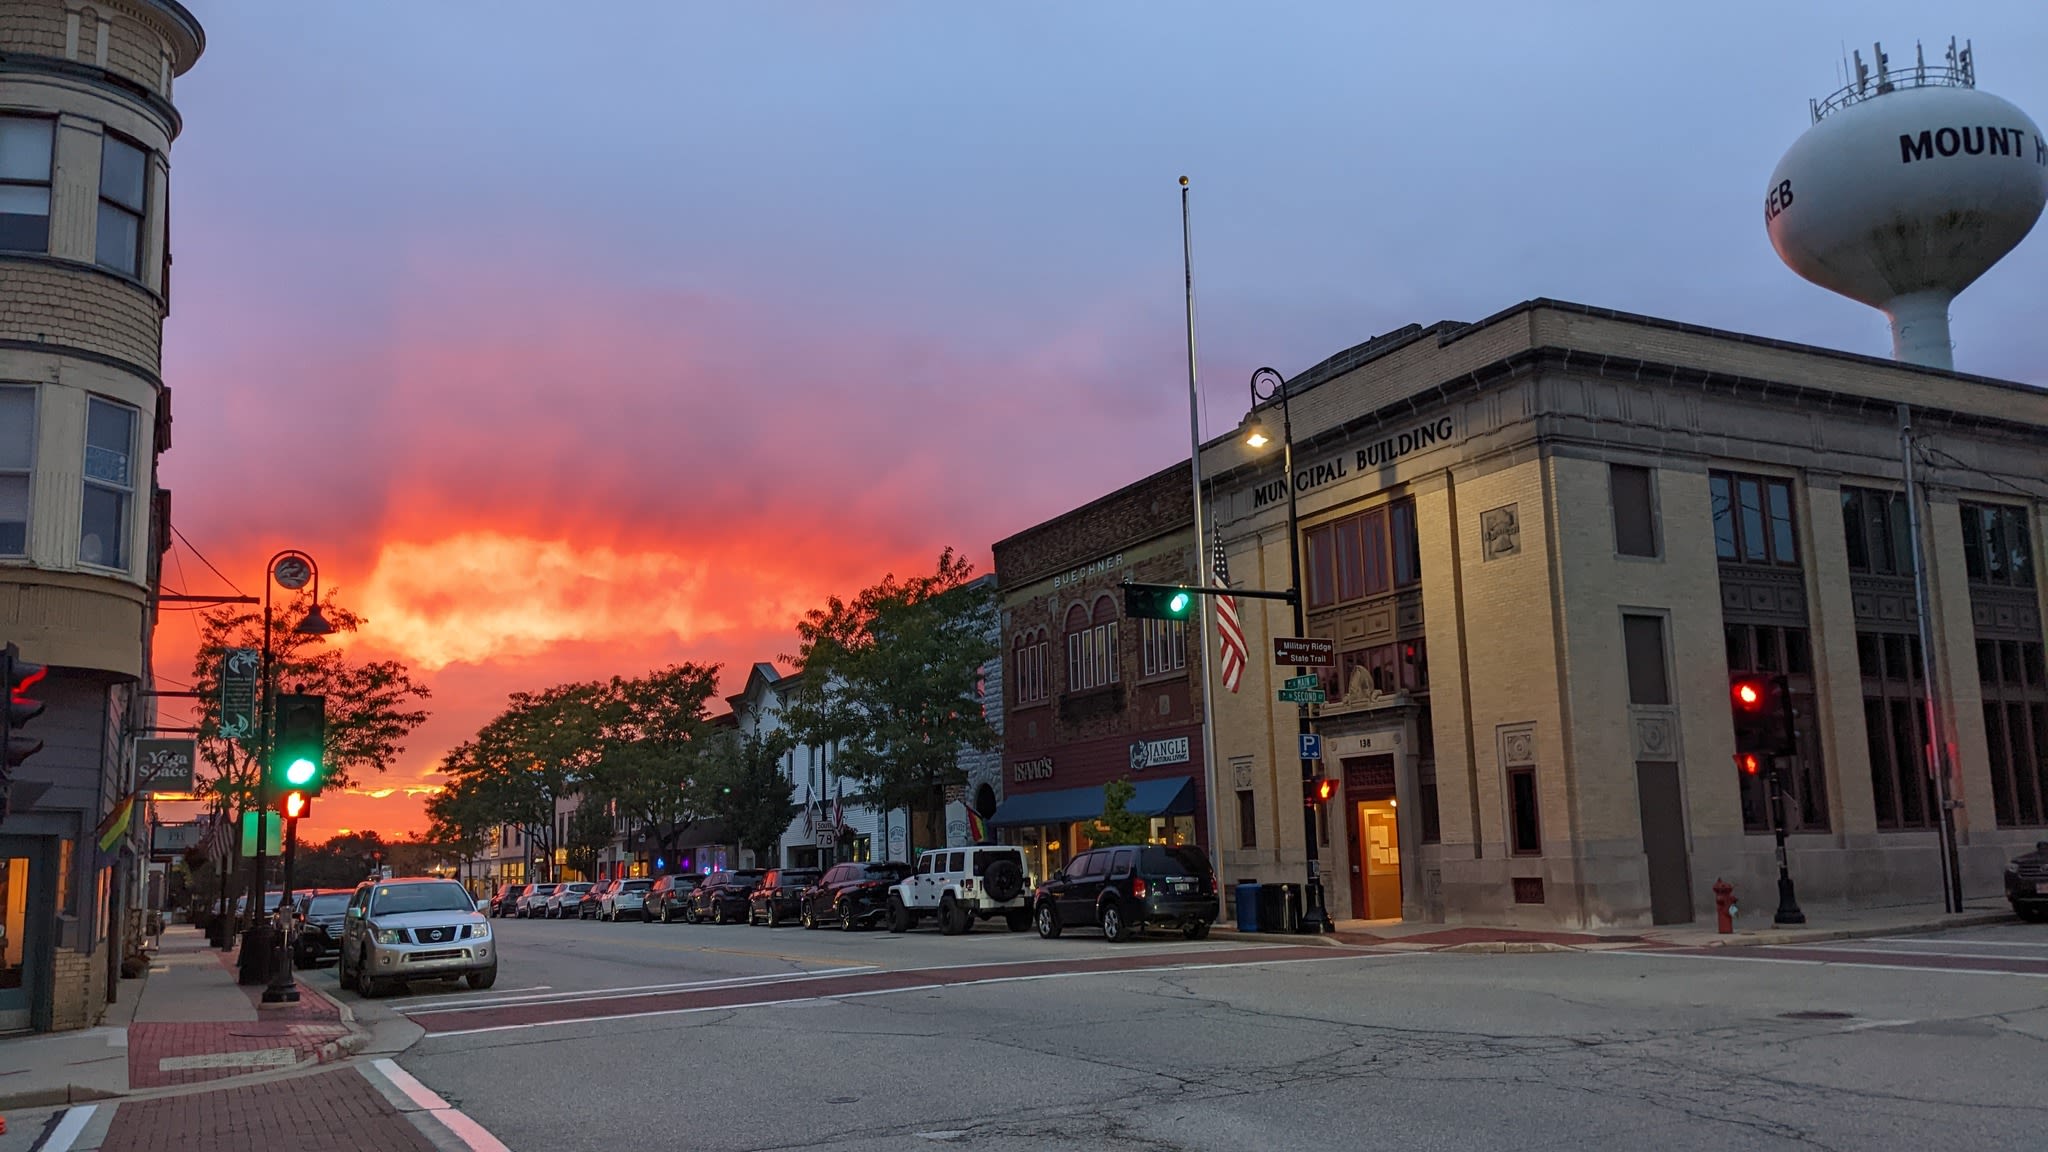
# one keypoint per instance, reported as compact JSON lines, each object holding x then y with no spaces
{"x":263,"y":960}
{"x":1314,"y":916}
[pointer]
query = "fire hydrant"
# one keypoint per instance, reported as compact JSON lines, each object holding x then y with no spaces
{"x":1724,"y":906}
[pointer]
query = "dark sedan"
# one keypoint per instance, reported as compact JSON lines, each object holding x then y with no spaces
{"x":779,"y":895}
{"x":2026,"y":883}
{"x":669,"y":899}
{"x":851,"y":895}
{"x":506,"y":902}
{"x":319,"y":918}
{"x":722,"y":898}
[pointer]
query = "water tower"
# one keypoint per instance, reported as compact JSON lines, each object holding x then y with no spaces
{"x":1908,"y":187}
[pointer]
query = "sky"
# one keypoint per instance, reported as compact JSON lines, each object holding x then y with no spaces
{"x":577,"y":340}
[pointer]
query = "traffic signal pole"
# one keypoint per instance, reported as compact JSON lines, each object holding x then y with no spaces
{"x":1788,"y":904}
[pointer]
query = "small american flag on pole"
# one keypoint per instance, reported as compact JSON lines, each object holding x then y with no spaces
{"x":1228,"y":631}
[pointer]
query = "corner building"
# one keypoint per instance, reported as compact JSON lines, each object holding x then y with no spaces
{"x":1543,"y":542}
{"x":86,"y":124}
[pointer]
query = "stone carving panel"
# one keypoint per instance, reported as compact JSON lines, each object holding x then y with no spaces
{"x":1500,"y":532}
{"x":1517,"y":745}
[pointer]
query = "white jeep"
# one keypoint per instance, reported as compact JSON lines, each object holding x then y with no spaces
{"x":962,"y":885}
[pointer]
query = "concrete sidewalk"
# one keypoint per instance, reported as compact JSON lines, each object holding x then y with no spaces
{"x":187,"y":1021}
{"x":1751,"y":928}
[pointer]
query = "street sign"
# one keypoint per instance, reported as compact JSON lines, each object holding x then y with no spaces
{"x":1304,"y":652}
{"x":1303,"y":696}
{"x":238,"y":694}
{"x":165,"y":764}
{"x":1311,"y":746}
{"x":273,"y":833}
{"x":1309,"y":681}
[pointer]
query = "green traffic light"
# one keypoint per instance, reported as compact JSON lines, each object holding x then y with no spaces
{"x":1179,"y":604}
{"x":300,"y":772}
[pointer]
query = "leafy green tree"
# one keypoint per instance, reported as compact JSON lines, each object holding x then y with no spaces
{"x":459,"y":823}
{"x":655,"y":730}
{"x":890,"y":681}
{"x":745,"y":787}
{"x":544,"y":747}
{"x":590,"y":829}
{"x":1118,"y":824}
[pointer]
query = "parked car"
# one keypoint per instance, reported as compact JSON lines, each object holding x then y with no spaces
{"x":318,"y":920}
{"x":962,"y":885}
{"x":669,"y":899}
{"x":851,"y":895}
{"x":506,"y":902}
{"x":563,"y":900}
{"x":722,"y":898}
{"x":626,"y":898}
{"x":414,"y":929}
{"x":1123,"y":890}
{"x":592,"y":903}
{"x":2026,"y":883}
{"x":779,"y":895}
{"x":534,"y":903}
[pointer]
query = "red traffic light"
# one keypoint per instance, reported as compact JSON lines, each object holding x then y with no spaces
{"x":1748,"y":762}
{"x":295,"y":804}
{"x":1749,"y":694}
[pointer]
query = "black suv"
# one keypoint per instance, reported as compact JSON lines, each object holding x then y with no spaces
{"x":670,"y":897}
{"x":852,"y":894}
{"x":779,"y":895}
{"x":1123,"y":889}
{"x":2026,"y":883}
{"x":722,"y":898}
{"x":506,"y":902}
{"x":319,"y":916}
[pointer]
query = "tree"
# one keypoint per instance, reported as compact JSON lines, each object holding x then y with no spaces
{"x":542,"y":748}
{"x":458,"y":821}
{"x":342,"y":862}
{"x":746,"y":789}
{"x":655,"y":730}
{"x":1118,"y":824}
{"x":591,"y":828}
{"x":890,"y":680}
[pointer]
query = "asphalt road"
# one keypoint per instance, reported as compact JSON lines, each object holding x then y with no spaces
{"x":770,"y":1039}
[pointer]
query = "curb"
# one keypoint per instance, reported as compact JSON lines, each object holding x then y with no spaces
{"x":52,"y":1097}
{"x":1766,"y":936}
{"x":1500,"y":946}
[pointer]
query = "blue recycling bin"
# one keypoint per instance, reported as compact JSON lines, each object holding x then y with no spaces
{"x":1247,"y":906}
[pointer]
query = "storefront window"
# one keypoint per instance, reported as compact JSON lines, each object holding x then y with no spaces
{"x":1173,"y":830}
{"x":13,"y":919}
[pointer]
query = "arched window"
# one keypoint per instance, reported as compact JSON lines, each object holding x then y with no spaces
{"x":1107,"y":662}
{"x":1041,"y":665}
{"x":1080,"y":658}
{"x":1020,"y":668}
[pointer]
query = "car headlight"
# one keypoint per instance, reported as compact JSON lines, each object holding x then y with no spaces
{"x":388,"y":935}
{"x":2012,"y":869}
{"x":480,"y":930}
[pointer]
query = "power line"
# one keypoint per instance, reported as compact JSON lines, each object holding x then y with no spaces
{"x":203,"y":560}
{"x":1950,"y":460}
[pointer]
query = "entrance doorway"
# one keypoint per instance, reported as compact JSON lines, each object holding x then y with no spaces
{"x":1375,"y":838}
{"x":16,"y":956}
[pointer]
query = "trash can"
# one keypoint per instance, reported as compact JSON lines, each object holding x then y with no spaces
{"x":1280,"y":908}
{"x":1247,"y":905}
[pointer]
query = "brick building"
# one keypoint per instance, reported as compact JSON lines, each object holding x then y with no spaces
{"x":1542,"y":543}
{"x":86,"y":124}
{"x":1092,"y":697}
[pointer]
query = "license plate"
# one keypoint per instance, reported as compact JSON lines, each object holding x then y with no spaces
{"x":1183,"y":887}
{"x":2041,"y":888}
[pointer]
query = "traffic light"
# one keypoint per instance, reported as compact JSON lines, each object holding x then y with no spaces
{"x":298,"y":759}
{"x":295,"y":805}
{"x":1158,"y":602}
{"x":1763,"y":716}
{"x":17,"y":676}
{"x":1317,"y":790}
{"x":1748,"y":762}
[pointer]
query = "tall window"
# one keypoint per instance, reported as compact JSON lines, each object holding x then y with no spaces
{"x":1525,"y":829}
{"x":1247,"y":820}
{"x":1874,"y":525}
{"x":1369,"y":554}
{"x":1753,"y":519}
{"x":124,"y":187}
{"x":1635,"y":510}
{"x":25,"y":147}
{"x":109,"y":484}
{"x":1995,"y":545}
{"x":17,"y":465}
{"x":1771,"y":649}
{"x":1163,"y":646}
{"x":1028,"y":656}
{"x":1894,"y":721}
{"x":2016,"y":729}
{"x":1092,"y":658}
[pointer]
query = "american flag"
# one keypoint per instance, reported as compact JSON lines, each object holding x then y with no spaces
{"x":1227,"y":628}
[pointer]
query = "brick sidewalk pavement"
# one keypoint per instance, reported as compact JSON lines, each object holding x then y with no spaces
{"x":188,"y":1052}
{"x":335,"y":1111}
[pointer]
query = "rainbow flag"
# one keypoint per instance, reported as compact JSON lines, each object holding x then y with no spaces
{"x":977,"y":828}
{"x":115,"y":826}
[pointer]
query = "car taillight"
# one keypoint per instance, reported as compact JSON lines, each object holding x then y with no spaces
{"x":1209,"y":885}
{"x":1137,"y":888}
{"x":966,"y":883}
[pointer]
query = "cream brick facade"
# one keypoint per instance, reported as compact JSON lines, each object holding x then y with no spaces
{"x":1524,"y":634}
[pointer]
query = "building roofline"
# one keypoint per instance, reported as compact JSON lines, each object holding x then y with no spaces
{"x":1181,"y":466}
{"x":187,"y":23}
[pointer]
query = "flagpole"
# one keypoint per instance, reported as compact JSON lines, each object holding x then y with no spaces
{"x":1202,"y":616}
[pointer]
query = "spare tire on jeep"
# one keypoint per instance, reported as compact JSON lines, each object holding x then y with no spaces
{"x":1004,"y":881}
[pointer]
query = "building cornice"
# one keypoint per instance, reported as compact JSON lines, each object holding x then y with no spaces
{"x":94,"y":76}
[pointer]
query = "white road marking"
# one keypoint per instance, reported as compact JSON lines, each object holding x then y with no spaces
{"x":824,"y":996}
{"x":622,"y":993}
{"x":254,"y":1058}
{"x":65,"y":1134}
{"x":1856,"y":948}
{"x":1866,"y":1025}
{"x":472,"y":1134}
{"x":416,"y":1005}
{"x":1922,"y":968}
{"x":1922,"y":941}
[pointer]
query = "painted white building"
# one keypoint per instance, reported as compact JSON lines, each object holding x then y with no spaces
{"x":815,"y":837}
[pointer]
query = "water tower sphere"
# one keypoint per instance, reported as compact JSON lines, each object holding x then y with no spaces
{"x":1903,"y":199}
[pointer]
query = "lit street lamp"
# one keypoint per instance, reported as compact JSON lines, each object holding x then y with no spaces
{"x":263,"y":960}
{"x":1314,"y":916}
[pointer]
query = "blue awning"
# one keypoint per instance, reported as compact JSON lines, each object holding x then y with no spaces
{"x":1160,"y":796}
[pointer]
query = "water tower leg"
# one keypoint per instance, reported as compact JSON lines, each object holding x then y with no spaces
{"x":1920,"y":330}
